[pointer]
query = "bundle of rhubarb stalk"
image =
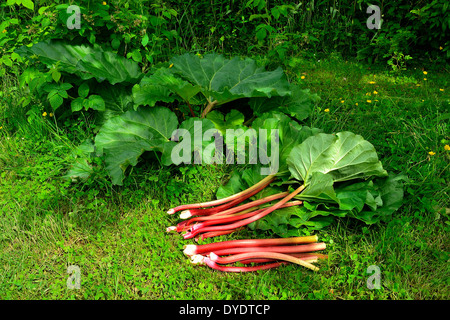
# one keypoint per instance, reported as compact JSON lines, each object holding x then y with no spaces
{"x":320,"y":177}
{"x":224,"y":216}
{"x":260,"y":253}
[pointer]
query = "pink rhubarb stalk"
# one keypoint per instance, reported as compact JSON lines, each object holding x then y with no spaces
{"x":307,"y":256}
{"x":192,"y":249}
{"x":310,"y":247}
{"x":262,"y":254}
{"x":248,"y":220}
{"x":238,"y":216}
{"x":185,"y":214}
{"x":260,"y":185}
{"x":218,"y":267}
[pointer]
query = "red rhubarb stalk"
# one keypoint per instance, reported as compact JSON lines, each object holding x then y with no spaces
{"x":242,"y":207}
{"x":192,"y":249}
{"x":218,"y":267}
{"x":310,"y":247}
{"x":262,"y":254}
{"x":307,"y":256}
{"x":262,"y":184}
{"x":209,"y":211}
{"x":238,"y":216}
{"x":213,"y":234}
{"x":248,"y":220}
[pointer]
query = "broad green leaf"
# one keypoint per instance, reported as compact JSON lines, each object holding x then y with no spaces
{"x":77,"y":104}
{"x":111,"y":67}
{"x":94,"y":102}
{"x":83,"y":90}
{"x":186,"y":91}
{"x":124,"y":138}
{"x":291,"y":134}
{"x":223,"y":80}
{"x":118,"y":100}
{"x":390,"y":191}
{"x":343,"y":156}
{"x":192,"y":129}
{"x":28,"y":4}
{"x":298,"y":105}
{"x":56,"y":75}
{"x":232,"y":120}
{"x":85,"y":61}
{"x":149,"y":92}
{"x":55,"y":100}
{"x":52,"y":52}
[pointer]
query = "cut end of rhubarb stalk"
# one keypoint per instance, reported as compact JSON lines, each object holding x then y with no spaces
{"x":171,"y":229}
{"x":197,"y":259}
{"x":213,"y":256}
{"x":186,"y":214}
{"x":171,"y":211}
{"x":189,"y":249}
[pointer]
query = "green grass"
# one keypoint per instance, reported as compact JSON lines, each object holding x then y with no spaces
{"x":116,"y":235}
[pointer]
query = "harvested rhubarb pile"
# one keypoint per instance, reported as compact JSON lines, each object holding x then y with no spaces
{"x":261,"y":253}
{"x":321,"y":177}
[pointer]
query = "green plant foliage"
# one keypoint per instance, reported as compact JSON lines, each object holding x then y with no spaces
{"x":223,"y":80}
{"x":124,"y":138}
{"x":343,"y":156}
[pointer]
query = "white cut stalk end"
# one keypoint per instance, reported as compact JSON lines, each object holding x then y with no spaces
{"x":171,"y":229}
{"x":186,"y":214}
{"x":197,"y":259}
{"x":171,"y":211}
{"x":189,"y":249}
{"x":213,"y":256}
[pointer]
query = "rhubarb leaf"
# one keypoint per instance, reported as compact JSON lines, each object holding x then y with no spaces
{"x":299,"y":104}
{"x":53,"y":52}
{"x":344,"y":156}
{"x":111,"y":67}
{"x":123,"y":139}
{"x":223,"y":80}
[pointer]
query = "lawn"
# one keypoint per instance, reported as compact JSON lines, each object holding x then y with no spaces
{"x":116,"y":235}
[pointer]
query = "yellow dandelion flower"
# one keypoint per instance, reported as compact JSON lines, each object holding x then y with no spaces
{"x":104,"y":3}
{"x":431,"y":153}
{"x":375,"y":92}
{"x":424,"y":79}
{"x":342,"y":101}
{"x":440,"y":48}
{"x":302,"y":77}
{"x":356,"y":104}
{"x":44,"y":114}
{"x":171,"y":65}
{"x":369,"y":101}
{"x":4,"y":31}
{"x":1,"y":128}
{"x":441,"y":90}
{"x":326,"y":110}
{"x":50,"y":114}
{"x":371,"y":82}
{"x":425,"y":72}
{"x":446,"y":147}
{"x":418,"y":85}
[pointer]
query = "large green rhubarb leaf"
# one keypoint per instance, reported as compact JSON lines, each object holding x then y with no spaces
{"x":52,"y":52}
{"x":223,"y":80}
{"x":124,"y":138}
{"x":298,"y":105}
{"x":85,"y":61}
{"x":344,"y":156}
{"x":111,"y":67}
